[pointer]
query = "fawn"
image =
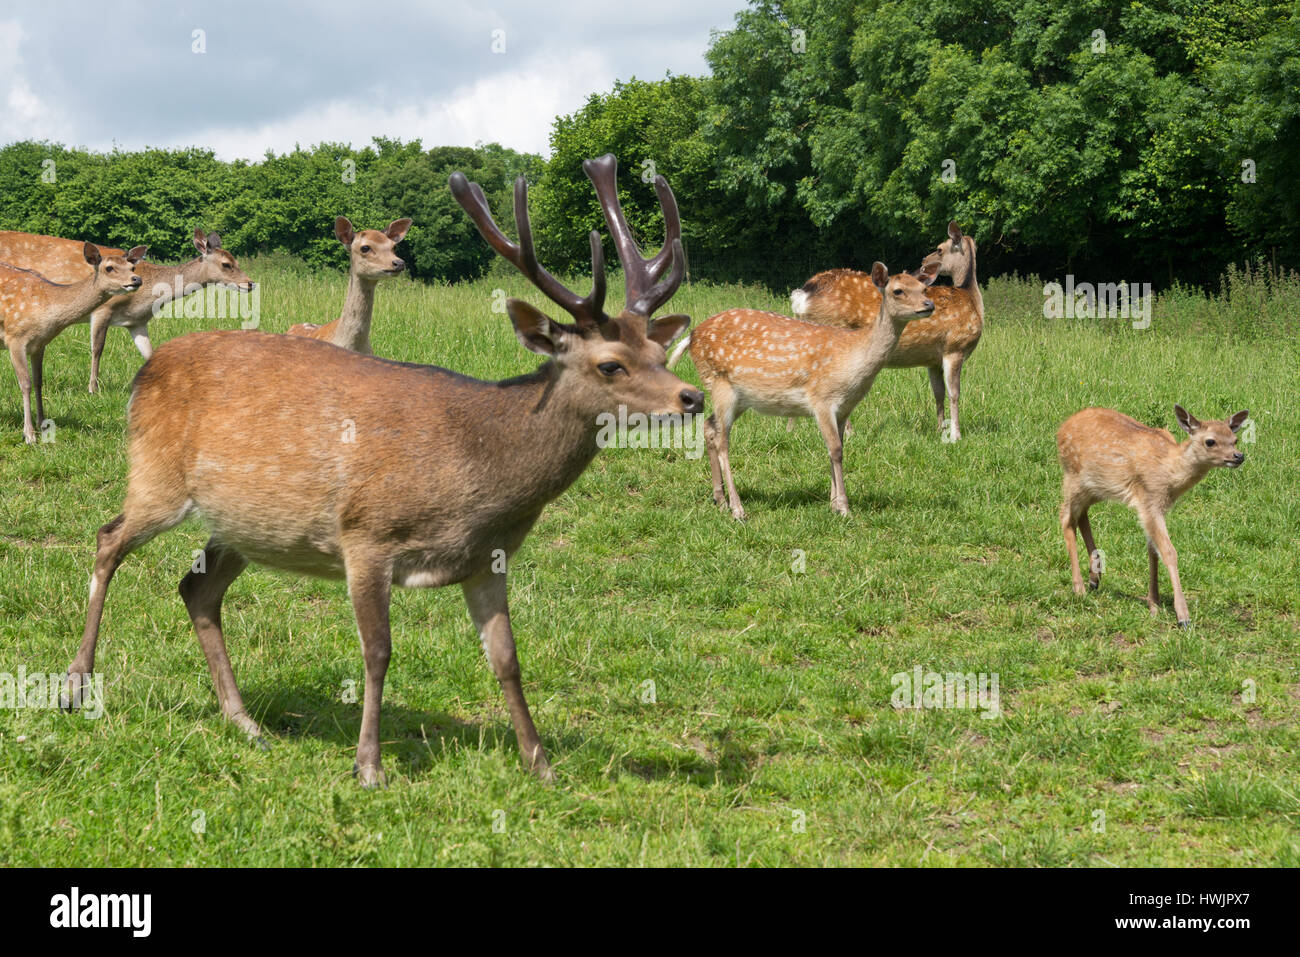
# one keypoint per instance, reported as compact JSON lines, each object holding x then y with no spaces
{"x":371,"y":259}
{"x":782,"y":366}
{"x":1107,"y":456}
{"x":34,"y":310}
{"x":941,"y":343}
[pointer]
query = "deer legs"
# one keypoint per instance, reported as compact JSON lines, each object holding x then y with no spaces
{"x":485,"y":595}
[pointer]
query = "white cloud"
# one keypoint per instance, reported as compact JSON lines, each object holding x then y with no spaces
{"x":514,"y":108}
{"x":26,"y":116}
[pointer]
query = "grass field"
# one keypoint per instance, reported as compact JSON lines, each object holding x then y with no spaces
{"x":769,"y":738}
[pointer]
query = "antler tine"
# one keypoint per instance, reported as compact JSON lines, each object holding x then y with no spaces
{"x":660,"y":293}
{"x":588,"y":310}
{"x":639,"y":272}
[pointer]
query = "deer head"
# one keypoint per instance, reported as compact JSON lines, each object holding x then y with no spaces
{"x":601,"y":362}
{"x":954,"y":255}
{"x":370,"y":250}
{"x":216,"y":266}
{"x":115,"y":275}
{"x":903,"y":297}
{"x":1213,"y":444}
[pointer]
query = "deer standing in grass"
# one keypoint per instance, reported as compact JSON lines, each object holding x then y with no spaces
{"x":371,"y":259}
{"x":1107,"y":456}
{"x":330,"y":463}
{"x":61,"y":260}
{"x":782,"y":366}
{"x":34,"y":310}
{"x":942,"y":342}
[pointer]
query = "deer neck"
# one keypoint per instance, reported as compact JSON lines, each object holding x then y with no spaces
{"x":970,"y":283}
{"x":353,"y":331}
{"x":1184,"y":471}
{"x":75,"y":302}
{"x":558,"y":441}
{"x":874,"y":346}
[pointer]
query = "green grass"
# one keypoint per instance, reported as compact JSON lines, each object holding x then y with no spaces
{"x":771,"y":739}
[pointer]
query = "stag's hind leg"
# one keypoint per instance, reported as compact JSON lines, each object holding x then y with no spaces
{"x":202,"y":589}
{"x":1094,"y":556}
{"x":717,"y":433}
{"x":1070,"y":511}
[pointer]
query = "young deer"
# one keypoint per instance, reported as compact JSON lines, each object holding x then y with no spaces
{"x":319,"y":470}
{"x":372,"y":259}
{"x":34,"y":310}
{"x":61,"y":260}
{"x":214,"y":266}
{"x":781,"y":366}
{"x":1106,"y":456}
{"x":941,"y":343}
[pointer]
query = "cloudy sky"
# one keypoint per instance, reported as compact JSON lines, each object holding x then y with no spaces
{"x":272,"y":75}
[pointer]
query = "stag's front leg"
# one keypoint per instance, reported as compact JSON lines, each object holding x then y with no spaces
{"x":370,"y":585}
{"x":140,"y":336}
{"x":18,"y":356}
{"x":486,"y":597}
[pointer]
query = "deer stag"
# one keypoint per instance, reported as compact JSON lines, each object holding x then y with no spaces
{"x":371,"y":259}
{"x":61,"y":260}
{"x":1106,"y":456}
{"x":781,"y":366}
{"x":34,"y":310}
{"x":329,"y":476}
{"x":941,"y":343}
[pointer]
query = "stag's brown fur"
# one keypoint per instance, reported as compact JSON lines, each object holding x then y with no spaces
{"x":1107,"y":456}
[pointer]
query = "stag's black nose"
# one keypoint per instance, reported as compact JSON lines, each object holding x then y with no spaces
{"x":398,"y":264}
{"x":1239,"y":457}
{"x":692,"y":400}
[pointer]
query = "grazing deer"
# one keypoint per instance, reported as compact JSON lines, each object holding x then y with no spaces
{"x":386,"y":473}
{"x":34,"y":310}
{"x":61,"y":260}
{"x":1106,"y":456}
{"x":371,"y":260}
{"x":941,"y":343}
{"x":781,"y":366}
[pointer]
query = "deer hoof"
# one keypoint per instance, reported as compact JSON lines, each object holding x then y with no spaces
{"x":74,"y":691}
{"x":261,"y":743}
{"x":370,"y":778}
{"x":1080,"y":588}
{"x":1093,"y":584}
{"x":1184,"y":622}
{"x":738,"y":513}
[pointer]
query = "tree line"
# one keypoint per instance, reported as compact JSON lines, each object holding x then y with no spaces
{"x":1152,"y":140}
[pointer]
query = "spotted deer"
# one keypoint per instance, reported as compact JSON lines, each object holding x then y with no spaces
{"x":941,"y":343}
{"x":776,"y":365}
{"x":371,"y":259}
{"x":310,"y":465}
{"x":1107,"y":456}
{"x":61,"y":260}
{"x":33,"y":310}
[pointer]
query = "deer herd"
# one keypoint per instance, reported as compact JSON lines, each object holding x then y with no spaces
{"x":442,"y":475}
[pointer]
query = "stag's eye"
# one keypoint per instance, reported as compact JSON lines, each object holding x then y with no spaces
{"x":108,"y":269}
{"x":365,"y":249}
{"x":1209,"y":443}
{"x":611,"y":368}
{"x":225,"y":265}
{"x":897,"y":291}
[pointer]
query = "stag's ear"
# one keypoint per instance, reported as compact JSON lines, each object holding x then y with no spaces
{"x":880,"y":275}
{"x":200,"y":241}
{"x":534,"y":328}
{"x":214,"y":241}
{"x":1186,"y":421}
{"x":1237,"y":421}
{"x":396,"y":230}
{"x":91,"y":252}
{"x":929,"y":272}
{"x":667,"y":328}
{"x":954,"y":233}
{"x":136,"y":254}
{"x":344,"y":231}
